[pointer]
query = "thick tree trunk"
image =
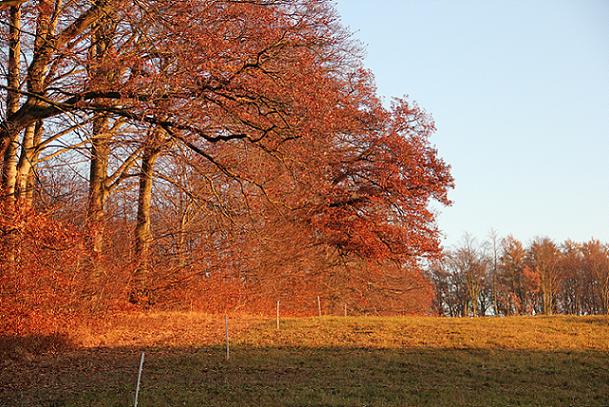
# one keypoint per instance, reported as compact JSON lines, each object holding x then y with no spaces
{"x":11,"y":144}
{"x":46,"y":45}
{"x":31,"y":179}
{"x":143,"y":232}
{"x":98,"y":172}
{"x":100,"y":153}
{"x":9,"y":173}
{"x":27,"y":162}
{"x":37,"y":75}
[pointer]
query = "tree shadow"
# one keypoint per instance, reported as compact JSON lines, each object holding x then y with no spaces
{"x":307,"y":376}
{"x":588,"y":319}
{"x":13,"y":347}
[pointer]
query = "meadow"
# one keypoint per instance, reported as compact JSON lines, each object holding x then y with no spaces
{"x":327,"y":361}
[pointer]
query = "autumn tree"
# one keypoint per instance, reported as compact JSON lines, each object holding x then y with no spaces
{"x":596,"y":263}
{"x":544,"y":259}
{"x":461,"y":280}
{"x":470,"y":262}
{"x":512,"y":291}
{"x":239,"y":147}
{"x":493,"y":249}
{"x":439,"y":277}
{"x":572,"y":292}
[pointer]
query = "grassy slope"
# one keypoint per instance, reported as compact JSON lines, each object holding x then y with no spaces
{"x":554,"y":361}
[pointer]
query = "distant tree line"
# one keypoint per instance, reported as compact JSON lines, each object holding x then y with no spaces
{"x":506,"y":277}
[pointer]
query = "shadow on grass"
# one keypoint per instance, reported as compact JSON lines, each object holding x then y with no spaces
{"x":26,"y":347}
{"x":276,"y":376}
{"x":591,"y":319}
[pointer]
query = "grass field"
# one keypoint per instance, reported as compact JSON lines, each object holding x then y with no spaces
{"x":329,"y":361}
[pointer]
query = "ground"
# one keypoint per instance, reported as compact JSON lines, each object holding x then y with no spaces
{"x":328,"y":361}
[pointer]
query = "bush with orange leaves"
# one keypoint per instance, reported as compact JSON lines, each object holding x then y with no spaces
{"x":41,"y":279}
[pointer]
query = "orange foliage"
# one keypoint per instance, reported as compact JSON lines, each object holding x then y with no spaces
{"x":281,"y":175}
{"x":45,"y":284}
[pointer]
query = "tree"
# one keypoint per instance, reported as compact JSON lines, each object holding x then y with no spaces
{"x":493,"y":246}
{"x":264,"y":160}
{"x":460,"y":280}
{"x":472,"y":265}
{"x":513,"y":290}
{"x":544,"y":258}
{"x":572,"y":292}
{"x":596,"y":264}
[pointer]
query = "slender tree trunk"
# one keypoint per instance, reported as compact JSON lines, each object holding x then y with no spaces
{"x":605,"y":295}
{"x":475,"y":307}
{"x":181,"y":238}
{"x":547,"y":300}
{"x":181,"y":242}
{"x":494,"y":293}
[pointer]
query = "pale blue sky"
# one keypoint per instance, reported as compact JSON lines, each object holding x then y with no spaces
{"x":519,"y":91}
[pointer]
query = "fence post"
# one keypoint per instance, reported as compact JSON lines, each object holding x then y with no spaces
{"x":139,"y":378}
{"x":319,"y":305}
{"x":277,"y":314}
{"x":227,"y":339}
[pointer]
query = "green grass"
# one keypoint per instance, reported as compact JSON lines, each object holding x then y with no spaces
{"x":557,"y":361}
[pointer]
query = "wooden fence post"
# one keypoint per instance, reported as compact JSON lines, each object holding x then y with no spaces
{"x":277,"y":314}
{"x":319,"y":305}
{"x":227,"y":338}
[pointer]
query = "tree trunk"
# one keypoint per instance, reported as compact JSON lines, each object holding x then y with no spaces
{"x":181,"y":242}
{"x":143,"y":233}
{"x":27,"y":161}
{"x":547,"y":300}
{"x":474,"y":307}
{"x":9,"y":163}
{"x":100,"y":153}
{"x":495,"y":305}
{"x":605,"y":294}
{"x":31,"y":179}
{"x":98,"y":172}
{"x":10,"y":143}
{"x":181,"y":238}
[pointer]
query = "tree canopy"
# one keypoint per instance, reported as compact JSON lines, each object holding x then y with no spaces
{"x":158,"y":150}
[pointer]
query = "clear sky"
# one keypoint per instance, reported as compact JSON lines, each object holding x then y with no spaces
{"x":519,"y":91}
